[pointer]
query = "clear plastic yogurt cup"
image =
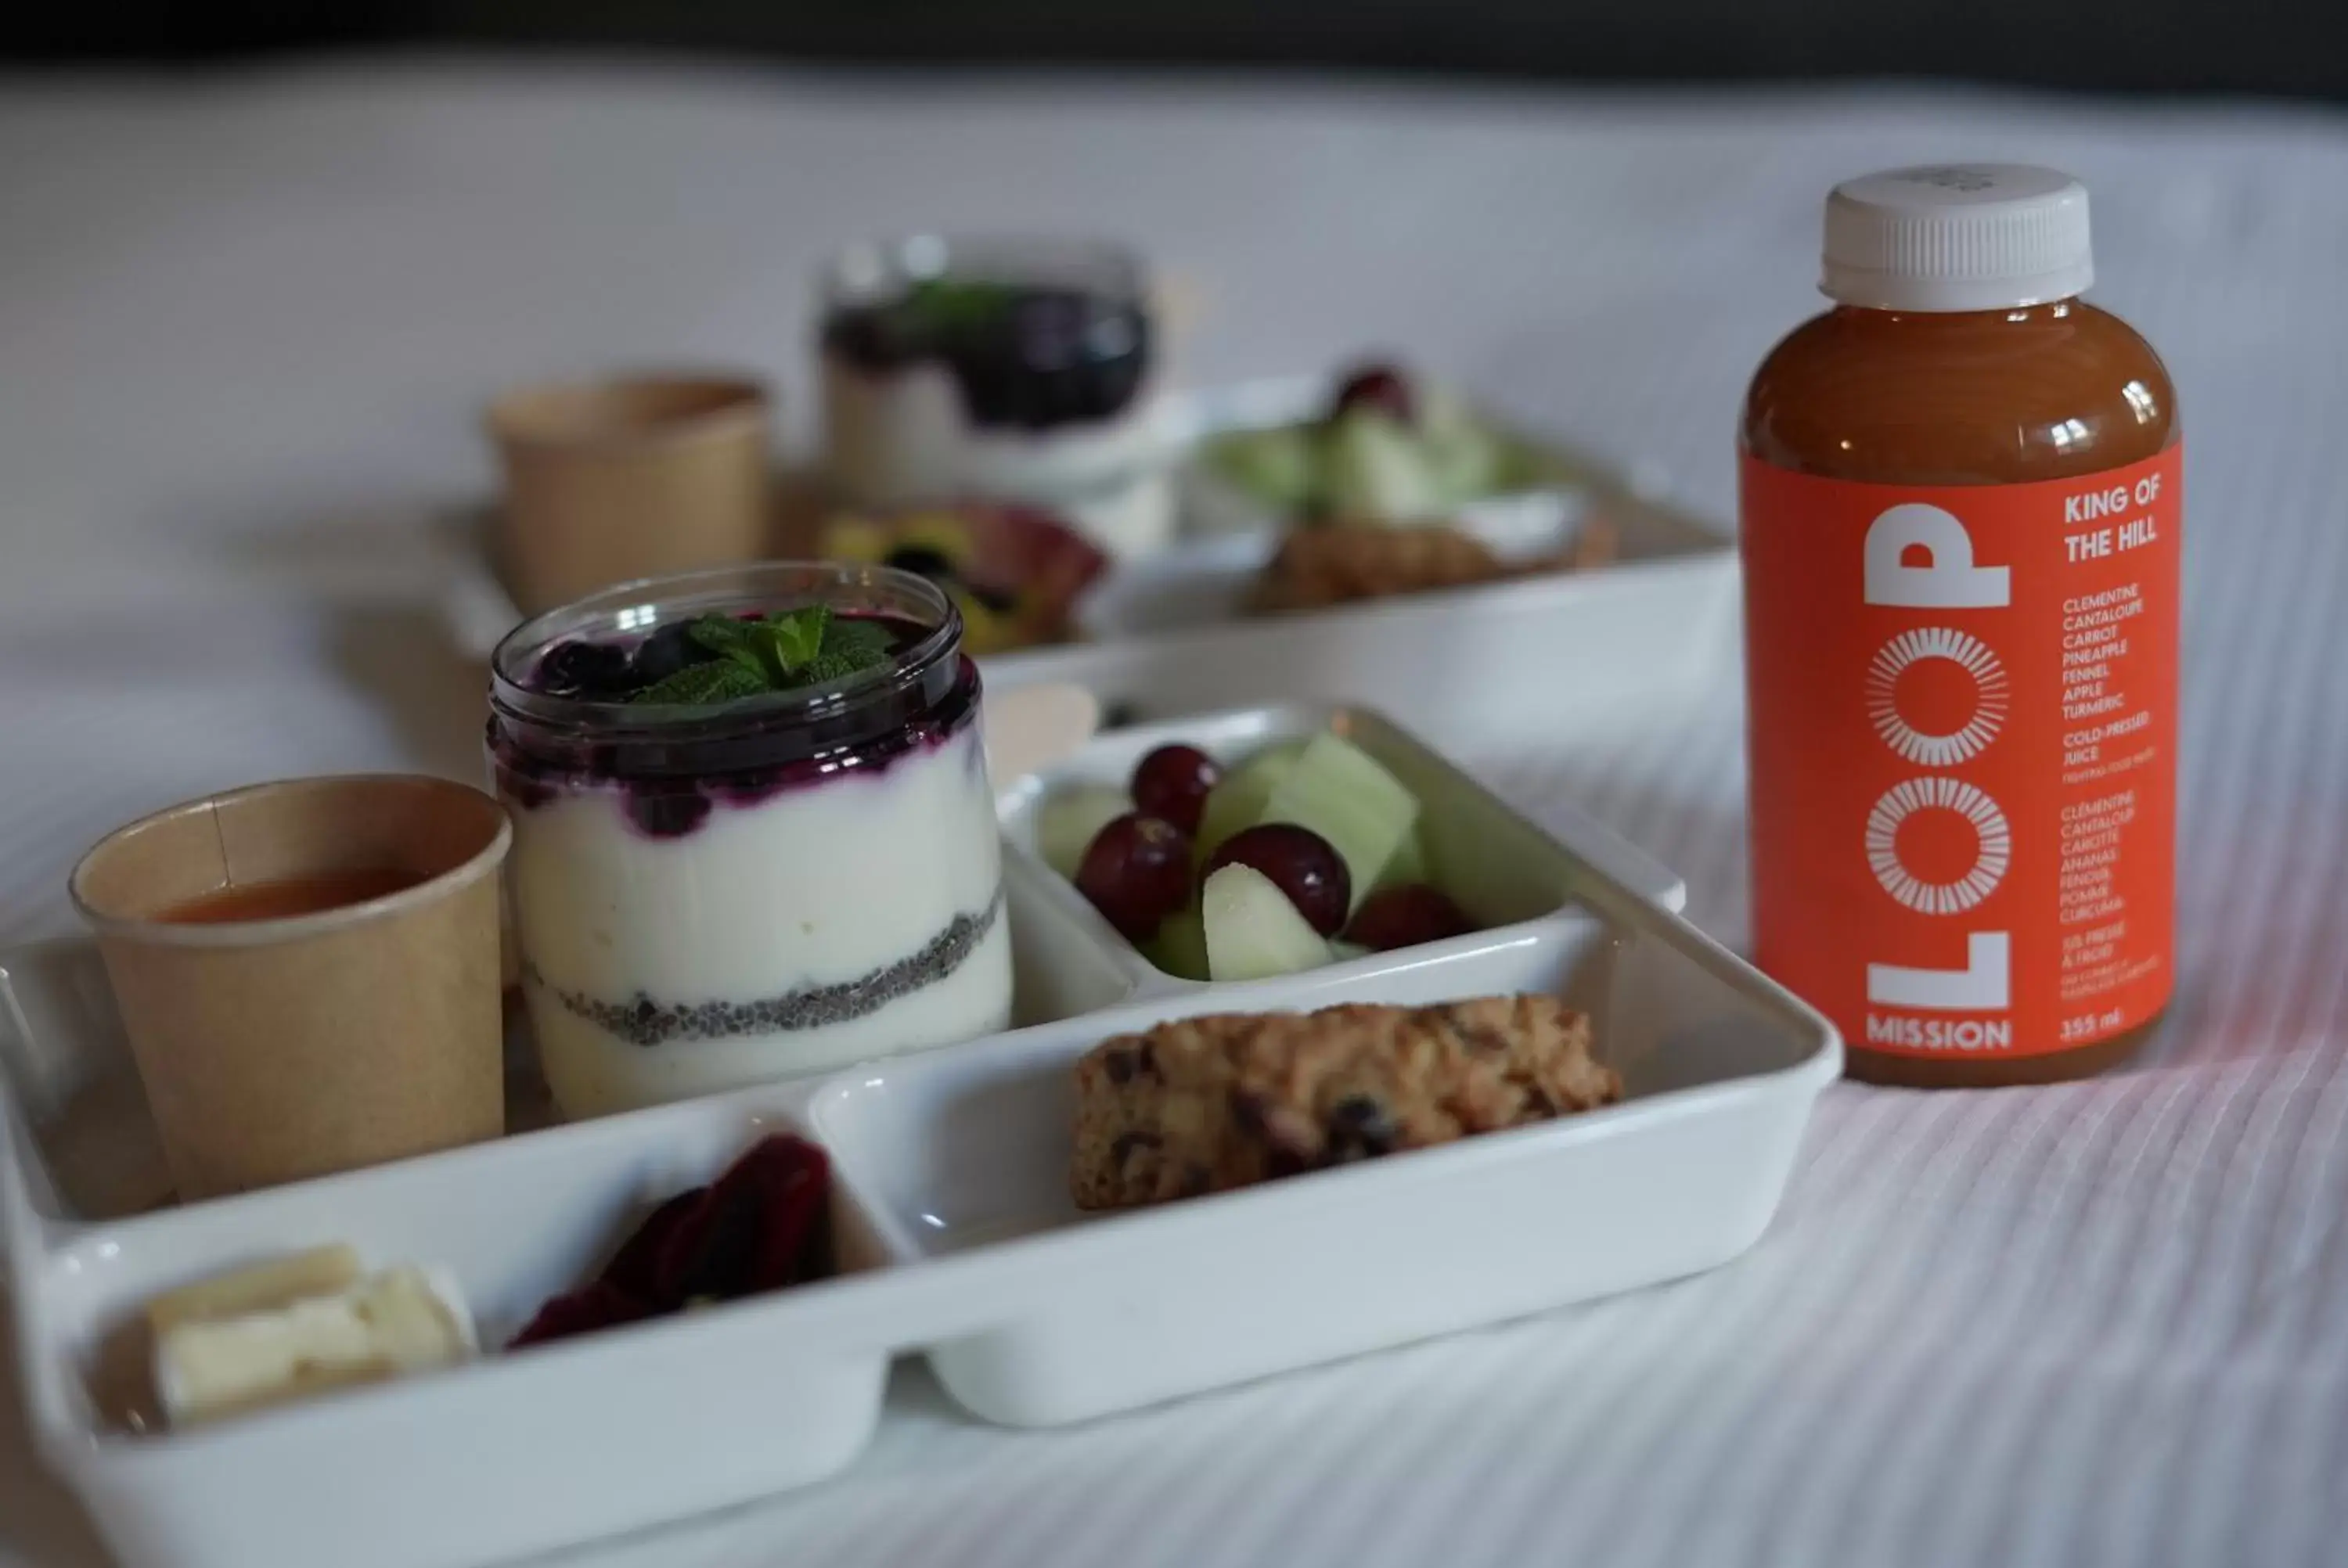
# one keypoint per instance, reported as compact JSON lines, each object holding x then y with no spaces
{"x":1018,"y":371}
{"x":712,"y":897}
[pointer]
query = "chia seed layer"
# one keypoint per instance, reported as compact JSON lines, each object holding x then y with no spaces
{"x":645,"y":1020}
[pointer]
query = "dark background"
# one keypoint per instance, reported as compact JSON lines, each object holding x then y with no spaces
{"x":2297,"y":50}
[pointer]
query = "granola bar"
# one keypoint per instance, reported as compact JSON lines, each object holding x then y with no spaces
{"x":1204,"y":1105}
{"x":1315,"y":567}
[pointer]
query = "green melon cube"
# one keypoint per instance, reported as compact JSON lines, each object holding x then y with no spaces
{"x":1070,"y":819}
{"x":1252,"y":931}
{"x":1237,"y":801}
{"x":1180,"y":946}
{"x":1347,"y":797}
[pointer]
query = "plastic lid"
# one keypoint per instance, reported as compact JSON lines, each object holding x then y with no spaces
{"x":1957,"y":237}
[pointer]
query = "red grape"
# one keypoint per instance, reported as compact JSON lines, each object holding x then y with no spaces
{"x":1299,"y":862}
{"x":1378,"y":386}
{"x":1136,"y":871}
{"x":1172,"y":782}
{"x":1405,"y":916}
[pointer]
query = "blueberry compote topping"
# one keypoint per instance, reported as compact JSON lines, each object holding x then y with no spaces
{"x":1026,"y":355}
{"x":593,"y":671}
{"x":656,"y":658}
{"x":672,"y":767}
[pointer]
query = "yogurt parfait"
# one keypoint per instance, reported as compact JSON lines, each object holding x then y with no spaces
{"x":753,"y":831}
{"x":997,"y":372}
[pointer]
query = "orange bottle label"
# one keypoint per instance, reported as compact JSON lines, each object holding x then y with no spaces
{"x":1962,"y":711}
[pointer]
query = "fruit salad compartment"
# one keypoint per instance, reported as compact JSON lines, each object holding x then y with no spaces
{"x":1376,"y":441}
{"x":1358,"y":847}
{"x":948,"y":1235}
{"x":1383,"y":448}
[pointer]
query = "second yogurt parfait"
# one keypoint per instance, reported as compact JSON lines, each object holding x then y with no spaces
{"x":1020,"y":373}
{"x":753,"y":831}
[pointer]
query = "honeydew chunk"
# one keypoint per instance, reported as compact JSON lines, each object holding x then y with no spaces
{"x":1180,"y":946}
{"x":1466,"y":464}
{"x":1409,"y":863}
{"x":1239,"y":799}
{"x":1068,"y":820}
{"x":1252,"y":931}
{"x":1276,"y":467}
{"x":1441,"y":413}
{"x":1347,"y":797}
{"x":1377,"y":474}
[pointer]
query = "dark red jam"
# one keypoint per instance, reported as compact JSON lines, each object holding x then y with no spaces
{"x":763,"y":1225}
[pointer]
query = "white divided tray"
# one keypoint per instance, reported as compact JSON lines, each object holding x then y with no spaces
{"x":955,"y":1231}
{"x":1164,"y":635}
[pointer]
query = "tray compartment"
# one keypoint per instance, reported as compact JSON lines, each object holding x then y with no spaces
{"x":1500,"y":868}
{"x":1063,"y":962}
{"x":509,"y":1454}
{"x":965,"y":1159}
{"x":1563,"y":484}
{"x":1229,"y":534}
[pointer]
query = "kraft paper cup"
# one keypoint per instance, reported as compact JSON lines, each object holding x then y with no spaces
{"x":279,"y":1049}
{"x":607,"y":481}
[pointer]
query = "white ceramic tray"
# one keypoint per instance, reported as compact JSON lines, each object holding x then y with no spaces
{"x":1164,"y":635}
{"x":953,"y":1221}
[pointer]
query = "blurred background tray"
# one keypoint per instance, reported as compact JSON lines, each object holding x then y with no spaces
{"x":1166,"y":633}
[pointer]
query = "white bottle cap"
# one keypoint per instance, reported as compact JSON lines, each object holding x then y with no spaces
{"x":1957,"y":237}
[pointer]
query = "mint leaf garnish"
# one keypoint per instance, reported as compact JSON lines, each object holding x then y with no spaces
{"x":717,"y":681}
{"x":950,"y":303}
{"x":865,"y":641}
{"x":719,"y":633}
{"x":790,"y":641}
{"x":829,"y":669}
{"x":849,"y":646}
{"x":782,"y":652}
{"x":734,"y":640}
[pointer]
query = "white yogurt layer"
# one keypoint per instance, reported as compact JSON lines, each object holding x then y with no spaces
{"x":815,"y":887}
{"x":904,"y":440}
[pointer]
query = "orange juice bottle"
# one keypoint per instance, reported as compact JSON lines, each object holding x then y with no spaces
{"x":1961,"y":500}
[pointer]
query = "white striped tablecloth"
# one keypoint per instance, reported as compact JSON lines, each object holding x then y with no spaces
{"x":242,"y":324}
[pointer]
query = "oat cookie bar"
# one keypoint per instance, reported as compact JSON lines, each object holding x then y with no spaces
{"x":1204,"y":1105}
{"x":1315,"y":567}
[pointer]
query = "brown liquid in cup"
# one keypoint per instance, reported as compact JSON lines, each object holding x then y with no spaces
{"x":288,"y":1019}
{"x":293,"y":896}
{"x":1974,"y":397}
